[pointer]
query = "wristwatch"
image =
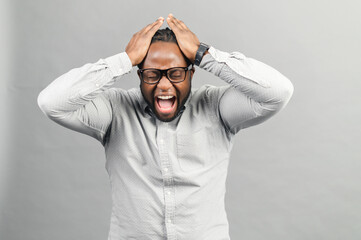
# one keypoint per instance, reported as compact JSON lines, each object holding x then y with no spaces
{"x":200,"y":52}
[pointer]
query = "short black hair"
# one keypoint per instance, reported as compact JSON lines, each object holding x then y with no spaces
{"x":164,"y":35}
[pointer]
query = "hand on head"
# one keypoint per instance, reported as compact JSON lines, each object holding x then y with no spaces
{"x":187,"y":40}
{"x":139,"y":44}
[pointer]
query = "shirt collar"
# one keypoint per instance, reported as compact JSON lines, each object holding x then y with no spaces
{"x":146,"y":109}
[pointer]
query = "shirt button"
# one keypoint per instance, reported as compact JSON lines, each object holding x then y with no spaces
{"x":168,"y":192}
{"x":97,"y":84}
{"x":165,"y":169}
{"x":169,"y":221}
{"x":161,"y":141}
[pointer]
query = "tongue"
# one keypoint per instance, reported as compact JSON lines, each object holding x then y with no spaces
{"x":165,"y":103}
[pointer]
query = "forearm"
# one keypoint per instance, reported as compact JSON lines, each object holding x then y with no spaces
{"x":79,"y":86}
{"x":257,"y":91}
{"x":253,"y":78}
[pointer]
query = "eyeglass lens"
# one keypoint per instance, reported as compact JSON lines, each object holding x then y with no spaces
{"x":175,"y":74}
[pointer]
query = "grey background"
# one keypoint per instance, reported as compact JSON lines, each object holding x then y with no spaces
{"x":296,"y":176}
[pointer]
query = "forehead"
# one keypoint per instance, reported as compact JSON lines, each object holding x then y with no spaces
{"x":164,"y":55}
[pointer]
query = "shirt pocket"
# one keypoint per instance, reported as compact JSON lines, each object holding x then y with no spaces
{"x":193,"y":150}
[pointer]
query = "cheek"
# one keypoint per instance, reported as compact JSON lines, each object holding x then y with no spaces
{"x":184,"y":89}
{"x":147,"y":91}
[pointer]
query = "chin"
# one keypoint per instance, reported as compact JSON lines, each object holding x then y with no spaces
{"x":169,"y":119}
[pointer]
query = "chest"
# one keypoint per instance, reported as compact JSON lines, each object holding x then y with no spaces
{"x":189,"y":143}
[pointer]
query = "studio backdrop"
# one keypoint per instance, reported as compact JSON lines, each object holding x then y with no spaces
{"x":295,"y":176}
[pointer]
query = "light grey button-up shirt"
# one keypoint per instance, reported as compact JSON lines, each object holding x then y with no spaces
{"x":168,"y":179}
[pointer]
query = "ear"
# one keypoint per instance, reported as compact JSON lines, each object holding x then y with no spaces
{"x":192,"y":72}
{"x":138,"y":72}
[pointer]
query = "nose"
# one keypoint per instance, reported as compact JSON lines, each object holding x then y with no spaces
{"x":164,"y":83}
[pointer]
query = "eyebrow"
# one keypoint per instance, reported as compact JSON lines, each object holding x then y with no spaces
{"x":164,"y":68}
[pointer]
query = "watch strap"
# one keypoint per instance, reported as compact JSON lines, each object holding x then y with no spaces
{"x":200,"y":52}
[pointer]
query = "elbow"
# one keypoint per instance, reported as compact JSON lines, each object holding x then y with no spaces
{"x":284,"y":95}
{"x":41,"y":101}
{"x":44,"y":103}
{"x":283,"y":92}
{"x":279,"y":99}
{"x":288,"y":91}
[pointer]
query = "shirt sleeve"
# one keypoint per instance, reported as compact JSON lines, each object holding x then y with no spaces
{"x":80,"y":98}
{"x":254,"y":93}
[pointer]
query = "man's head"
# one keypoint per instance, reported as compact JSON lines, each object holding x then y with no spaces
{"x":164,"y":53}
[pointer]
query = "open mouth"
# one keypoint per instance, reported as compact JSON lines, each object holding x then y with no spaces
{"x":165,"y":104}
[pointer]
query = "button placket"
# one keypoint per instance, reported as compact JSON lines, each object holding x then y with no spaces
{"x":168,"y":183}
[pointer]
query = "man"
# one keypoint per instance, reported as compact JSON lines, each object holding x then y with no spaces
{"x":167,"y":145}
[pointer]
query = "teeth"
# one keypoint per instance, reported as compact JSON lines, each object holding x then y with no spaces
{"x":165,"y":97}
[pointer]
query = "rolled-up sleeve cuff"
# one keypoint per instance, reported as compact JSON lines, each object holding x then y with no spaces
{"x":119,"y":64}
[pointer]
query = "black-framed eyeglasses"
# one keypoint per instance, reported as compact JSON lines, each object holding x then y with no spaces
{"x":153,"y":75}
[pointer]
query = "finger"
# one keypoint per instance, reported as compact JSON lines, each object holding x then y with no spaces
{"x":151,"y":25}
{"x":181,"y":23}
{"x":172,"y":23}
{"x":172,"y":19}
{"x":156,"y":25}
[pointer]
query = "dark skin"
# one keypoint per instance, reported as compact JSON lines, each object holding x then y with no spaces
{"x":164,"y":55}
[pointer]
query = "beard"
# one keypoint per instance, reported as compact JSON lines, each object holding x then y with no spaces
{"x":179,"y":105}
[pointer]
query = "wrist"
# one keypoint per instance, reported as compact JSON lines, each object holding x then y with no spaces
{"x":119,"y":64}
{"x":202,"y":50}
{"x":130,"y":58}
